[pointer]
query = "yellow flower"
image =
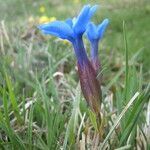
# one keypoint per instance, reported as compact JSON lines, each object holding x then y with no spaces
{"x":52,"y":19}
{"x":42,"y":9}
{"x":76,"y":1}
{"x":43,"y":19}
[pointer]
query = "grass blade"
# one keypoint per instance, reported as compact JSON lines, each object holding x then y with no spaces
{"x":119,"y":118}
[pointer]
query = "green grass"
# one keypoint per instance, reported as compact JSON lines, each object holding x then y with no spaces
{"x":41,"y":104}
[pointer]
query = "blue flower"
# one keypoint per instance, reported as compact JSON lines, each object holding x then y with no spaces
{"x":70,"y":29}
{"x":95,"y":34}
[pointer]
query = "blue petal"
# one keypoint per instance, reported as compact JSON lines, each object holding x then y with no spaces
{"x":82,"y":20}
{"x":69,"y":22}
{"x":93,"y":10}
{"x":101,"y":28}
{"x":91,"y":31}
{"x":57,"y":28}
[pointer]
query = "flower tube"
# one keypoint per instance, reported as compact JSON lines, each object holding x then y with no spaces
{"x":95,"y":34}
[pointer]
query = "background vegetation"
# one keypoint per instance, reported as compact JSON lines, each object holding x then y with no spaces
{"x":41,"y":105}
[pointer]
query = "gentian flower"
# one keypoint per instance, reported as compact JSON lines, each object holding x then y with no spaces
{"x":95,"y":34}
{"x":72,"y":30}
